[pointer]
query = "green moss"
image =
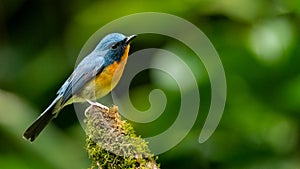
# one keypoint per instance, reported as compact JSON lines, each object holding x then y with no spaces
{"x":112,"y":143}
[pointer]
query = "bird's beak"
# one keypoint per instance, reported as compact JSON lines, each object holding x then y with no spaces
{"x":129,"y":39}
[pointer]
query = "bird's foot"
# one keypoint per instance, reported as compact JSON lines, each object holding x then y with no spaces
{"x":105,"y":108}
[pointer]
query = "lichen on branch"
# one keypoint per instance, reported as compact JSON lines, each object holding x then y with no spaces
{"x":111,"y":143}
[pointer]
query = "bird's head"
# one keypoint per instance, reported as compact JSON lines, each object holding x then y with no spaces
{"x":114,"y":45}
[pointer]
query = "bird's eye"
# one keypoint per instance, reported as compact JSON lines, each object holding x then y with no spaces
{"x":115,"y":46}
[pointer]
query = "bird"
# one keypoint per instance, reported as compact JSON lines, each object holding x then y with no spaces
{"x":94,"y":77}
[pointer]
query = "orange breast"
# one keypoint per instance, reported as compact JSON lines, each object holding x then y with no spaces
{"x":110,"y":76}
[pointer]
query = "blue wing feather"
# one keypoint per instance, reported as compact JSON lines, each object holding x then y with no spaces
{"x":87,"y":69}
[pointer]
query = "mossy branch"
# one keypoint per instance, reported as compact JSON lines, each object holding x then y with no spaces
{"x":111,"y":143}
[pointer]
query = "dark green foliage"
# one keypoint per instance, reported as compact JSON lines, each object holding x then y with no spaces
{"x":257,"y":41}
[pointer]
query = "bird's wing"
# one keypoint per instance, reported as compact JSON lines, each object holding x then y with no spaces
{"x":87,"y":69}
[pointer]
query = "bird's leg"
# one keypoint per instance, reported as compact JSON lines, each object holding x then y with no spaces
{"x":97,"y":104}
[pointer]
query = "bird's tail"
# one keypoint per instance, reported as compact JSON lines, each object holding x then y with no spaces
{"x":41,"y":122}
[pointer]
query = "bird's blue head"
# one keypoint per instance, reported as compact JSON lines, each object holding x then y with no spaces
{"x":114,"y":46}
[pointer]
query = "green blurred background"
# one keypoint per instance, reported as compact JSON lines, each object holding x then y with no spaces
{"x":258,"y":43}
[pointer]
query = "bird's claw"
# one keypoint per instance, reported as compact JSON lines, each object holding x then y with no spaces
{"x":95,"y":104}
